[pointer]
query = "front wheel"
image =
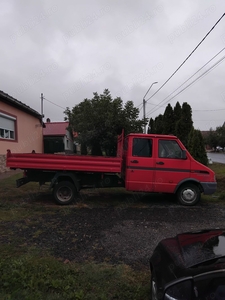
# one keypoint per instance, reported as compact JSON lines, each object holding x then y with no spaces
{"x":188,"y":194}
{"x":64,"y":192}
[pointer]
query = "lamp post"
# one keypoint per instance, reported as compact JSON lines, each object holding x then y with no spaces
{"x":144,"y":102}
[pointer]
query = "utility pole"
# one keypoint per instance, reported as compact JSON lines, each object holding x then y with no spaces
{"x":42,"y":104}
{"x":144,"y":103}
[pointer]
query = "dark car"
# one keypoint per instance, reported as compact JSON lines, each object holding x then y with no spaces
{"x":189,"y":266}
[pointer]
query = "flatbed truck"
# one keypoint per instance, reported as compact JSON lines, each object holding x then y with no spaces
{"x":149,"y":163}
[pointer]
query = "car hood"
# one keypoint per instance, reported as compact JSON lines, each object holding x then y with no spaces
{"x":191,"y":249}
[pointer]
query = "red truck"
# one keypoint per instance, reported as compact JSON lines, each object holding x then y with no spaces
{"x":144,"y":163}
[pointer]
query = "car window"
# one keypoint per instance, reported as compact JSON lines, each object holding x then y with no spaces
{"x":169,"y":149}
{"x":180,"y":291}
{"x":142,"y":147}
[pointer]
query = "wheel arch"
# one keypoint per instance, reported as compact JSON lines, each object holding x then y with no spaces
{"x":65,"y":176}
{"x":186,"y":181}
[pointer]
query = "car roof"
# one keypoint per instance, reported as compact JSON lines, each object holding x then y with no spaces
{"x":190,"y":249}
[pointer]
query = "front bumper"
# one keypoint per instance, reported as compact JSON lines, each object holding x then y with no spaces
{"x":209,"y":187}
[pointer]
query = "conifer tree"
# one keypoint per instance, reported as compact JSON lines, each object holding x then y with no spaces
{"x":151,"y":126}
{"x":196,"y":146}
{"x":185,"y":124}
{"x":168,"y":120}
{"x":159,"y":124}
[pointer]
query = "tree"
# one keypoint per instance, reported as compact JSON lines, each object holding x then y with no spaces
{"x":177,"y":111}
{"x":185,"y":124}
{"x":220,"y":131}
{"x":151,"y":126}
{"x":212,"y":139}
{"x":159,"y":124}
{"x":168,"y":120}
{"x":99,"y":120}
{"x":196,"y":146}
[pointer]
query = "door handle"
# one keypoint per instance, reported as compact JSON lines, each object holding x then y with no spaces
{"x":160,"y":163}
{"x":134,"y":161}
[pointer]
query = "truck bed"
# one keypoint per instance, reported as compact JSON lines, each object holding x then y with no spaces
{"x":65,"y":162}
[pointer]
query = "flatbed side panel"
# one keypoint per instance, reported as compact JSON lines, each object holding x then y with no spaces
{"x":64,"y":162}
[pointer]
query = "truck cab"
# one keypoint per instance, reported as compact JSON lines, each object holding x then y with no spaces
{"x":160,"y":163}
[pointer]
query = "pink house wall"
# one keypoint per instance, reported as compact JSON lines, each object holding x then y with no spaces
{"x":28,"y":132}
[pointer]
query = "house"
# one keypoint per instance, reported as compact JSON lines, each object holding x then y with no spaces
{"x":20,"y":128}
{"x":57,"y":138}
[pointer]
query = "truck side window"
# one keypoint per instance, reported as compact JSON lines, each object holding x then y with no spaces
{"x":169,"y":149}
{"x":142,"y":147}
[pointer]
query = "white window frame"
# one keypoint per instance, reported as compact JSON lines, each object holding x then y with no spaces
{"x":8,"y":133}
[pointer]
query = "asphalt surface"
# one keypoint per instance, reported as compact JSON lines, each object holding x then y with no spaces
{"x":217,"y":157}
{"x":126,"y":234}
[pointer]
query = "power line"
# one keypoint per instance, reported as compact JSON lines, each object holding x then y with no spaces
{"x":186,"y":58}
{"x":191,"y":76}
{"x":198,"y":78}
{"x":208,"y":109}
{"x":54,"y":103}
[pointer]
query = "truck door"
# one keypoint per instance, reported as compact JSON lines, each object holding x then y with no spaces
{"x":170,"y":167}
{"x":140,"y":165}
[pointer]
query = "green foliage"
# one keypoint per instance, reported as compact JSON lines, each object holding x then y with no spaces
{"x":185,"y":124}
{"x":216,"y":137}
{"x":168,"y":120}
{"x":151,"y":126}
{"x":32,"y":277}
{"x":159,"y":124}
{"x":196,"y":146}
{"x":177,"y":111}
{"x":99,"y":120}
{"x":178,"y":122}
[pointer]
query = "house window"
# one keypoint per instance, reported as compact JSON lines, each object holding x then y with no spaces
{"x":7,"y":127}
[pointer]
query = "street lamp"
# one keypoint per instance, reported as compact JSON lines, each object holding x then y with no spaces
{"x":144,"y":102}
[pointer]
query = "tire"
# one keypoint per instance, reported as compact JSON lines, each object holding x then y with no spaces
{"x":188,"y":194}
{"x":153,"y":287}
{"x":64,"y":192}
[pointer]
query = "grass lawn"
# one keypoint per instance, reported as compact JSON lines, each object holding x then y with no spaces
{"x":219,"y":196}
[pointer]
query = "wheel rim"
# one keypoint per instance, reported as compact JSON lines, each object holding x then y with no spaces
{"x":154,"y":290}
{"x":64,"y":193}
{"x":189,"y":195}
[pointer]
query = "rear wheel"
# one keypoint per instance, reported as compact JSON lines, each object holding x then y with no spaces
{"x":64,"y":192}
{"x":188,"y":194}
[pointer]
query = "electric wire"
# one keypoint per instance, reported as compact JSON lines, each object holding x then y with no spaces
{"x":54,"y":103}
{"x":186,"y":58}
{"x":194,"y":81}
{"x":190,"y":77}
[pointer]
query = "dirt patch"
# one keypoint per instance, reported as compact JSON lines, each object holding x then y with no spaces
{"x":110,"y":234}
{"x":9,"y":173}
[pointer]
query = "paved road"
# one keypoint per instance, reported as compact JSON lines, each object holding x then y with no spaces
{"x":217,"y":157}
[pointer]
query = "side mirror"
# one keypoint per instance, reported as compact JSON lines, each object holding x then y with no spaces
{"x":184,"y":154}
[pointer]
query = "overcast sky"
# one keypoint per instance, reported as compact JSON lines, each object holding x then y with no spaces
{"x":69,"y":49}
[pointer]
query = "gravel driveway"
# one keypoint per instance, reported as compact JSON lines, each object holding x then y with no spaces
{"x":111,"y":234}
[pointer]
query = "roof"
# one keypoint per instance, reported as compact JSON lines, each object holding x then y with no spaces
{"x":18,"y":104}
{"x":55,"y":128}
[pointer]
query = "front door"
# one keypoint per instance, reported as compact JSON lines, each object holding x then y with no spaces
{"x":140,"y":165}
{"x":170,"y":167}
